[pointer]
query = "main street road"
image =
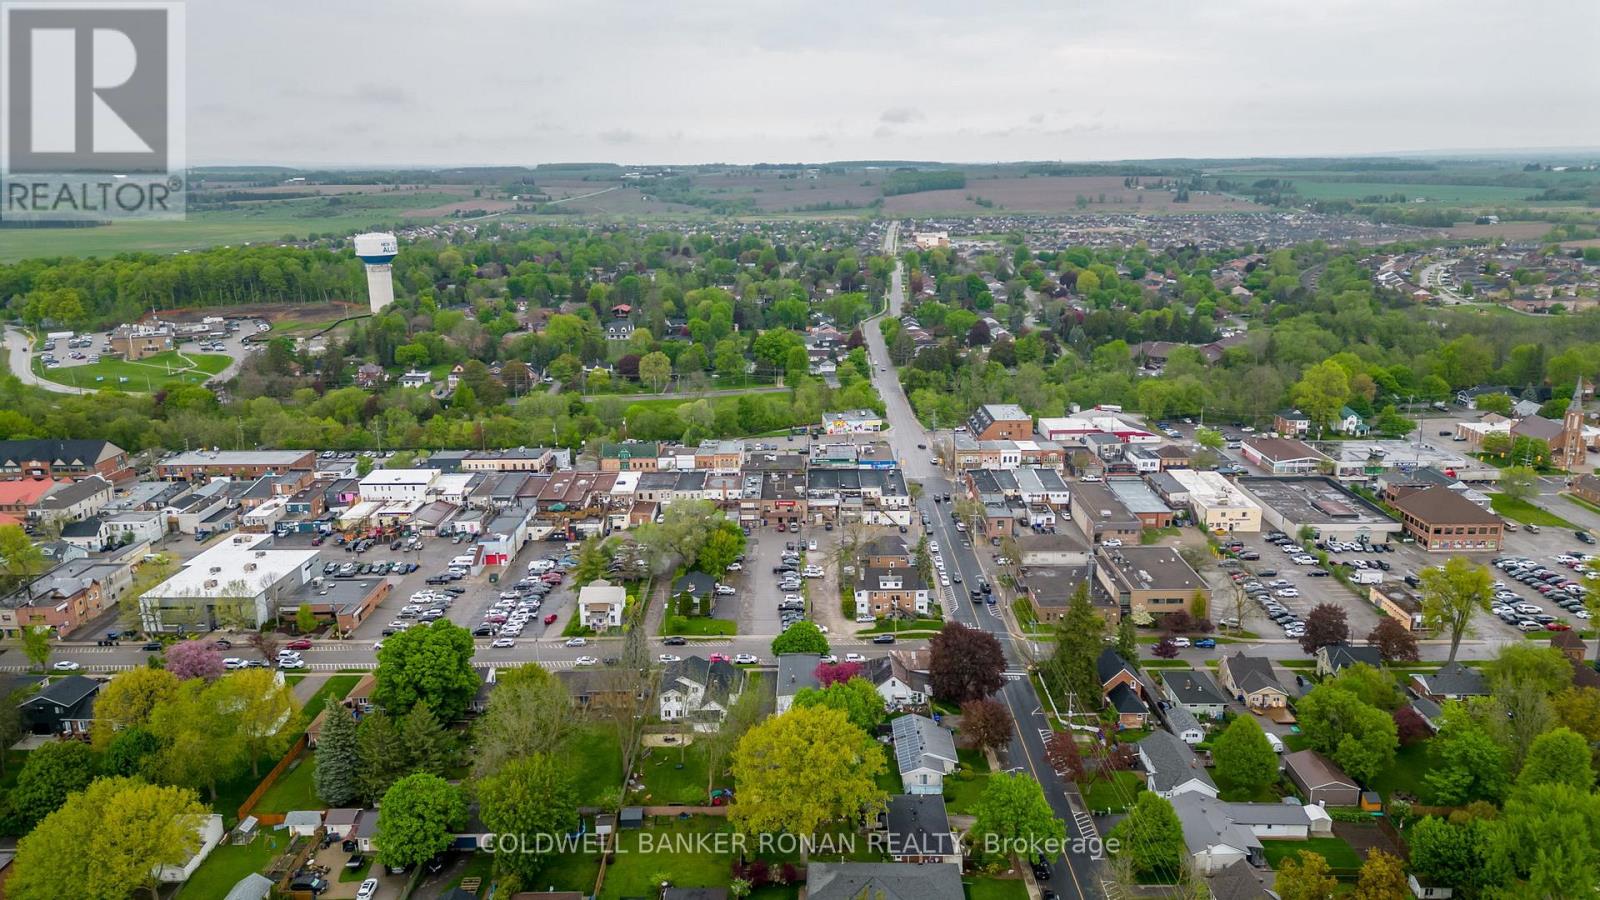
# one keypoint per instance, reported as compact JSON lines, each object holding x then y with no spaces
{"x":1084,"y":873}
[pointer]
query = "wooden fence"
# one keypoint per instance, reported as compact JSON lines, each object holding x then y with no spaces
{"x":272,"y":776}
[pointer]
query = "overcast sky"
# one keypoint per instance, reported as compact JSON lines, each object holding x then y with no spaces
{"x":468,"y":82}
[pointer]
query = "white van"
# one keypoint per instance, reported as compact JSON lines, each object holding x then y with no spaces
{"x":463,"y":562}
{"x":539,"y":566}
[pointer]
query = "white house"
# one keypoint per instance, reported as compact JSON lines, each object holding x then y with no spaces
{"x":698,"y":692}
{"x":1219,"y":834}
{"x":1171,"y":768}
{"x":601,"y":603}
{"x":132,"y":527}
{"x":925,"y":753}
{"x":897,"y":683}
{"x":1183,"y":724}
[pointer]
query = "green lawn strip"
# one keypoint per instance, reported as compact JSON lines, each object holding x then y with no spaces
{"x":152,"y":372}
{"x":699,"y":626}
{"x":962,"y":790}
{"x":1165,"y":664}
{"x":337,"y":687}
{"x":1526,"y":513}
{"x":996,"y":889}
{"x":293,"y":790}
{"x":889,"y":776}
{"x":1339,"y":854}
{"x":598,"y":758}
{"x":904,"y":626}
{"x":1579,"y":501}
{"x":1113,"y":794}
{"x":1294,"y":743}
{"x":677,"y":857}
{"x":229,"y":862}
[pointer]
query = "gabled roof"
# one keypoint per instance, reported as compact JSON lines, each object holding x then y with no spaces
{"x":918,"y":825}
{"x":1172,"y":762}
{"x":883,"y":881}
{"x":1180,"y":720}
{"x":1253,"y":673}
{"x":1237,"y":881}
{"x":919,"y":738}
{"x":1191,"y":687}
{"x":1125,"y":699}
{"x":1342,"y":655}
{"x":1315,"y":770}
{"x":719,"y":680}
{"x":64,"y":694}
{"x":1453,"y":680}
{"x":1109,"y":664}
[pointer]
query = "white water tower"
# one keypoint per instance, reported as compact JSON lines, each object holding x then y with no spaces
{"x":377,"y":250}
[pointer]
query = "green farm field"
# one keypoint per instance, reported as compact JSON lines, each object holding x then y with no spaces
{"x":149,"y":374}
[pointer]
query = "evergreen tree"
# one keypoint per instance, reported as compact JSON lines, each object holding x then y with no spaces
{"x":428,"y":746}
{"x":338,"y":758}
{"x":1071,"y":669}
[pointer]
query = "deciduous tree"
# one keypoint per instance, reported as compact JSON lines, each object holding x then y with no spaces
{"x":1546,"y":842}
{"x":986,"y":723}
{"x":530,"y":796}
{"x":194,"y":659}
{"x":53,"y":771}
{"x":1245,"y":761}
{"x":1383,"y":877}
{"x":857,"y":698}
{"x":1358,"y":737}
{"x":1394,"y":641}
{"x":1013,"y":817}
{"x":429,"y":664}
{"x":1166,"y":648}
{"x":1062,"y":751}
{"x":1561,"y":756}
{"x":1468,"y":762}
{"x":1152,"y":837}
{"x":803,"y":768}
{"x":529,"y":711}
{"x":128,"y":700}
{"x":1305,"y":876}
{"x":964,"y":664}
{"x":36,"y":644}
{"x":1325,"y":625}
{"x":108,"y":841}
{"x":417,"y":819}
{"x":1451,"y":594}
{"x":801,"y":637}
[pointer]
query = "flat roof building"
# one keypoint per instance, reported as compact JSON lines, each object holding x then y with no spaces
{"x":1217,"y":503}
{"x":1153,"y":580}
{"x":1321,"y":504}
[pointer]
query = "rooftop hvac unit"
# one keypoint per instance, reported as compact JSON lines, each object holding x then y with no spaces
{"x":216,"y":570}
{"x":211,"y":583}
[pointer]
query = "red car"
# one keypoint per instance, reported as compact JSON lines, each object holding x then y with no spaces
{"x":551,"y":578}
{"x":301,"y":644}
{"x":719,"y":657}
{"x":1557,"y":626}
{"x":550,"y":619}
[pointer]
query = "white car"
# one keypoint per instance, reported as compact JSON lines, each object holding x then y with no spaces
{"x":502,"y":642}
{"x":746,"y":659}
{"x":376,"y":646}
{"x":1114,"y":542}
{"x":585,"y":661}
{"x":944,"y":580}
{"x":1287,"y":592}
{"x":830,"y":657}
{"x":933,"y":546}
{"x":1304,"y":560}
{"x":811,"y":546}
{"x":793,"y":598}
{"x":854,"y":657}
{"x":725,"y":590}
{"x":577,"y":642}
{"x":812,"y":572}
{"x":735,"y":567}
{"x":669,"y":658}
{"x":295,"y":663}
{"x":66,"y":665}
{"x":1180,"y":642}
{"x":368,"y":889}
{"x":232,"y":662}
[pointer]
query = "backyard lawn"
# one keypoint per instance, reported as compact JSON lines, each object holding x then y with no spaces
{"x":676,"y":775}
{"x":598,"y":757}
{"x":1526,"y":513}
{"x":699,"y":626}
{"x":677,"y":856}
{"x":230,"y":862}
{"x":336,"y":686}
{"x":1114,"y":794}
{"x":293,"y":790}
{"x":1405,"y":775}
{"x":1338,"y":854}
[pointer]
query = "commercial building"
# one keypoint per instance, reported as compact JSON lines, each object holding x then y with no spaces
{"x":1442,"y":520}
{"x":135,"y":342}
{"x":201,"y":464}
{"x":66,"y":598}
{"x":48,"y":458}
{"x":1320,"y":503}
{"x":892,"y":592}
{"x":1284,"y":456}
{"x":1137,"y":497}
{"x":1000,"y":422}
{"x":852,"y":421}
{"x":237,"y":582}
{"x":1100,"y":516}
{"x":1217,"y":503}
{"x":1153,"y":580}
{"x":398,"y":485}
{"x":74,"y":501}
{"x":1395,"y":600}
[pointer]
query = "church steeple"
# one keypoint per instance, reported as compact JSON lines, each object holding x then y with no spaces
{"x":1572,"y":451}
